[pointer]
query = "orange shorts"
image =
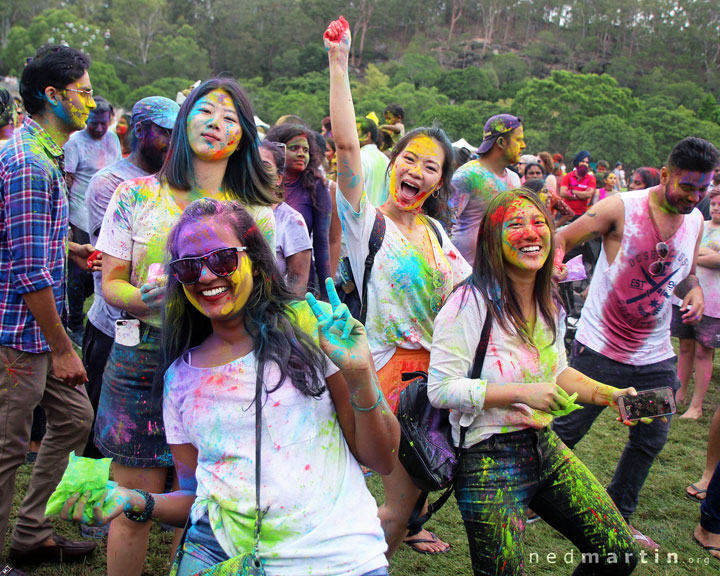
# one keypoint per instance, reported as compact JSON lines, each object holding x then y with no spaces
{"x":390,"y":375}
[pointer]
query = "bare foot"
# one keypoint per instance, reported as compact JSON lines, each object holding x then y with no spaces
{"x":680,"y":397}
{"x":708,"y":540}
{"x":426,"y":542}
{"x":692,"y":414}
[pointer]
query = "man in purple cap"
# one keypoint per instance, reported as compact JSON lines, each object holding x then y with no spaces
{"x":477,"y":182}
{"x":151,"y":127}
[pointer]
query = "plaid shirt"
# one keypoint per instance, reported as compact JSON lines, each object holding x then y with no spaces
{"x":33,"y":232}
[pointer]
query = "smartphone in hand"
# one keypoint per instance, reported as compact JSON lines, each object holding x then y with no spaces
{"x":648,"y":404}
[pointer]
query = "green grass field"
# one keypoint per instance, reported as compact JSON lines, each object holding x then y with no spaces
{"x":664,"y":513}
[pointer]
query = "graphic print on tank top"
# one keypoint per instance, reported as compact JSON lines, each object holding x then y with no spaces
{"x":627,"y":314}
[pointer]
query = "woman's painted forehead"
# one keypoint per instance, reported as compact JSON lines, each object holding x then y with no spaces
{"x":299,"y":139}
{"x":217,"y":97}
{"x":521,"y":208}
{"x":425,"y":146}
{"x":205,"y":234}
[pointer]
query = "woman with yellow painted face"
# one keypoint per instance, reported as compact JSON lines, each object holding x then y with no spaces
{"x":415,"y":268}
{"x":213,"y":153}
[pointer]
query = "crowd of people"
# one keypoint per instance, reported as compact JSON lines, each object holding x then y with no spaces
{"x":242,"y":397}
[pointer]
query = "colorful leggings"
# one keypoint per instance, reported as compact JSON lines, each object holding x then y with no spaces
{"x":503,"y":476}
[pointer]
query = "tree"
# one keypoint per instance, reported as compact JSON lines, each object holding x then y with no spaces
{"x":457,"y":121}
{"x":468,"y":84}
{"x":611,"y":138}
{"x":559,"y":104}
{"x":168,"y":87}
{"x":418,"y":69}
{"x":107,"y":84}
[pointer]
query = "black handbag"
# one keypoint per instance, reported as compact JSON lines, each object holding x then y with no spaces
{"x":427,"y":451}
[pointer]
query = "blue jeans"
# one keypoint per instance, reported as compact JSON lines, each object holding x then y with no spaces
{"x":202,"y":551}
{"x":502,"y":476}
{"x":645,"y":441}
{"x":710,"y":508}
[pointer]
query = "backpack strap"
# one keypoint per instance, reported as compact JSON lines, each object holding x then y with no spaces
{"x":435,"y":229}
{"x":417,"y":518}
{"x":376,"y":239}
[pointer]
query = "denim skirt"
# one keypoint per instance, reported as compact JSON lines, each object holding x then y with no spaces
{"x":129,"y":423}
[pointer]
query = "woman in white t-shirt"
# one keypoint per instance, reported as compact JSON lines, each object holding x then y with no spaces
{"x":510,"y":458}
{"x":415,"y":268}
{"x":227,"y":313}
{"x":213,"y":153}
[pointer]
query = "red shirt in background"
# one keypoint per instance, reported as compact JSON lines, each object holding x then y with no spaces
{"x":573,"y":184}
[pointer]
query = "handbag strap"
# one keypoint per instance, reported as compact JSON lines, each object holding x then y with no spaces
{"x":417,"y":519}
{"x":478,"y":362}
{"x":258,"y":423}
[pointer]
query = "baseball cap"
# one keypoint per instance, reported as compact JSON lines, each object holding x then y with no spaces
{"x":497,"y":126}
{"x":157,"y":109}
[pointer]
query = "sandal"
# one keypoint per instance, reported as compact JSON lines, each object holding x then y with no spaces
{"x":695,"y":496}
{"x":708,"y":548}
{"x":415,"y":541}
{"x":642,"y":540}
{"x":7,"y":570}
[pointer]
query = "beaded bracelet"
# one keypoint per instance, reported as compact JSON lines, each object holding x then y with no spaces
{"x":360,"y":409}
{"x":145,"y":515}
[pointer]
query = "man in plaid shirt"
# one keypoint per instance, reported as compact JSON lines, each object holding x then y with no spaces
{"x":39,"y":363}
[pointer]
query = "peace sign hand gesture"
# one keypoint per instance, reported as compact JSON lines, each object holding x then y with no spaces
{"x":341,"y":336}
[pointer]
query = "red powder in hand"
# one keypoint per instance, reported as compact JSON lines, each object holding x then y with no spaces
{"x":336,"y":29}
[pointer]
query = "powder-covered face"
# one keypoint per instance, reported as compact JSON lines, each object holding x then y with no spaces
{"x":514,"y":145}
{"x":610,"y":181}
{"x":154,"y":144}
{"x":213,"y":126}
{"x":74,"y":107}
{"x":636,"y":183}
{"x":525,"y":236}
{"x":98,"y":124}
{"x":217,"y":297}
{"x":716,"y":176}
{"x":684,"y":188}
{"x":298,"y":154}
{"x":416,"y":173}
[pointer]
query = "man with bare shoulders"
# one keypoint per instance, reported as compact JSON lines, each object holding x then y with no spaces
{"x":650,"y":241}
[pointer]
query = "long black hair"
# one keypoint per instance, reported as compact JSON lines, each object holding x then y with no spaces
{"x":245,"y":177}
{"x":311,"y":175}
{"x":268,"y":317}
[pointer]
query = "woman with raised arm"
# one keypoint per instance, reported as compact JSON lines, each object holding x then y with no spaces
{"x":415,"y":268}
{"x":510,"y":459}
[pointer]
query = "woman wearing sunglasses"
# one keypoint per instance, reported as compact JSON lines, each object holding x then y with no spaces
{"x":233,"y":317}
{"x":213,"y":153}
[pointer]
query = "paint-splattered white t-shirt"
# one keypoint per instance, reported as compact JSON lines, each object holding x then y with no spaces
{"x":710,"y":277}
{"x":404,"y":292}
{"x":321,"y":518}
{"x":508,"y":359}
